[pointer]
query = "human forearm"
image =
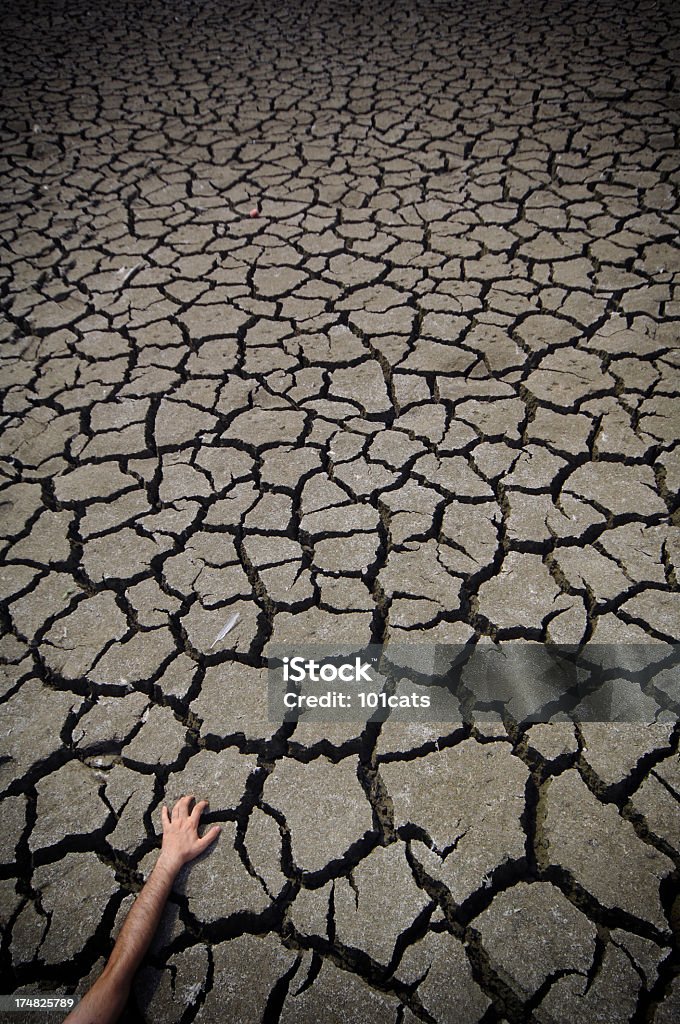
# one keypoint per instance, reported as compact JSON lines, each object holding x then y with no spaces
{"x":141,"y":923}
{"x":107,"y":997}
{"x":181,"y":843}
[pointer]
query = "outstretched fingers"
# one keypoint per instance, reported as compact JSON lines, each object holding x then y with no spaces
{"x":181,"y":841}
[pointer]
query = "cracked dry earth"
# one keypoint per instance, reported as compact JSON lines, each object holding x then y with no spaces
{"x":427,"y":391}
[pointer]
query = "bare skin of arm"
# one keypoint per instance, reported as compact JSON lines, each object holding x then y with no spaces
{"x":105,"y":1001}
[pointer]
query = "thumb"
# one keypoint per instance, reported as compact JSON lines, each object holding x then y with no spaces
{"x":205,"y":841}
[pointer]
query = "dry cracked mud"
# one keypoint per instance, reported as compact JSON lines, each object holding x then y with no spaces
{"x":360,"y":320}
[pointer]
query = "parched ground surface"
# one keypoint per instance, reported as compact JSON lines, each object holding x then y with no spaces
{"x":427,"y":392}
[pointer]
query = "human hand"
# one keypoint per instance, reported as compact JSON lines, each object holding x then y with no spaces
{"x":181,"y":841}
